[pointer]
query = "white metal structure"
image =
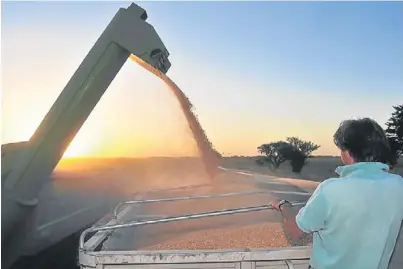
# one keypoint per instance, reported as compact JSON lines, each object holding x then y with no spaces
{"x":291,"y":258}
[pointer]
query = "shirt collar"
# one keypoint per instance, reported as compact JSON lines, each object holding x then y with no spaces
{"x":347,"y":170}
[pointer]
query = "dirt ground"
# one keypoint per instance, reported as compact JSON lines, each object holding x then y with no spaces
{"x":129,"y":175}
{"x":317,"y":168}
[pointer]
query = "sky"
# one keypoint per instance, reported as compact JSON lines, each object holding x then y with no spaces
{"x":256,"y":72}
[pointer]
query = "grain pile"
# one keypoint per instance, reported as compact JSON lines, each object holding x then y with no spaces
{"x":268,"y":235}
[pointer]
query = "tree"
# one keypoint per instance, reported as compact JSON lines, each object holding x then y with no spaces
{"x":274,"y":152}
{"x":298,"y":160}
{"x":305,"y":147}
{"x":294,"y":150}
{"x":394,"y":131}
{"x":302,"y":151}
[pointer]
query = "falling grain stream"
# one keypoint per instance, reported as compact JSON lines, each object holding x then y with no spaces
{"x":205,"y":150}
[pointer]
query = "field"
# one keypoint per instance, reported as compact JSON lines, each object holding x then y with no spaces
{"x":129,"y":175}
{"x":317,"y":168}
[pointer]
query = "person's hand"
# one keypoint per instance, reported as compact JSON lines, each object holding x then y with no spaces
{"x":275,"y":204}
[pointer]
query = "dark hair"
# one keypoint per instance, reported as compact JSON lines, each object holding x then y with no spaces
{"x":364,"y":139}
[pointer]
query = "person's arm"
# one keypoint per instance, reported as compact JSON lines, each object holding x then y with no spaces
{"x":291,"y":229}
{"x":290,"y":225}
{"x":311,"y":218}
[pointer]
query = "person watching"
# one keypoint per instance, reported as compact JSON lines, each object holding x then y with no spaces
{"x":355,"y":219}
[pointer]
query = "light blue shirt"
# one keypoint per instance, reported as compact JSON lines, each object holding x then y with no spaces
{"x":355,"y":219}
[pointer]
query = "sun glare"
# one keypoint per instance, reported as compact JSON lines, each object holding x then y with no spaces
{"x":82,"y":146}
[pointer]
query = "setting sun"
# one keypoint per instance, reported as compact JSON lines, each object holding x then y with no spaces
{"x":83,"y":145}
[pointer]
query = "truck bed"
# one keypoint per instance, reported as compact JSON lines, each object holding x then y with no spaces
{"x":245,"y":240}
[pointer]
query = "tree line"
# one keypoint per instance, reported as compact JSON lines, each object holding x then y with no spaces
{"x":297,"y":151}
{"x":394,"y":132}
